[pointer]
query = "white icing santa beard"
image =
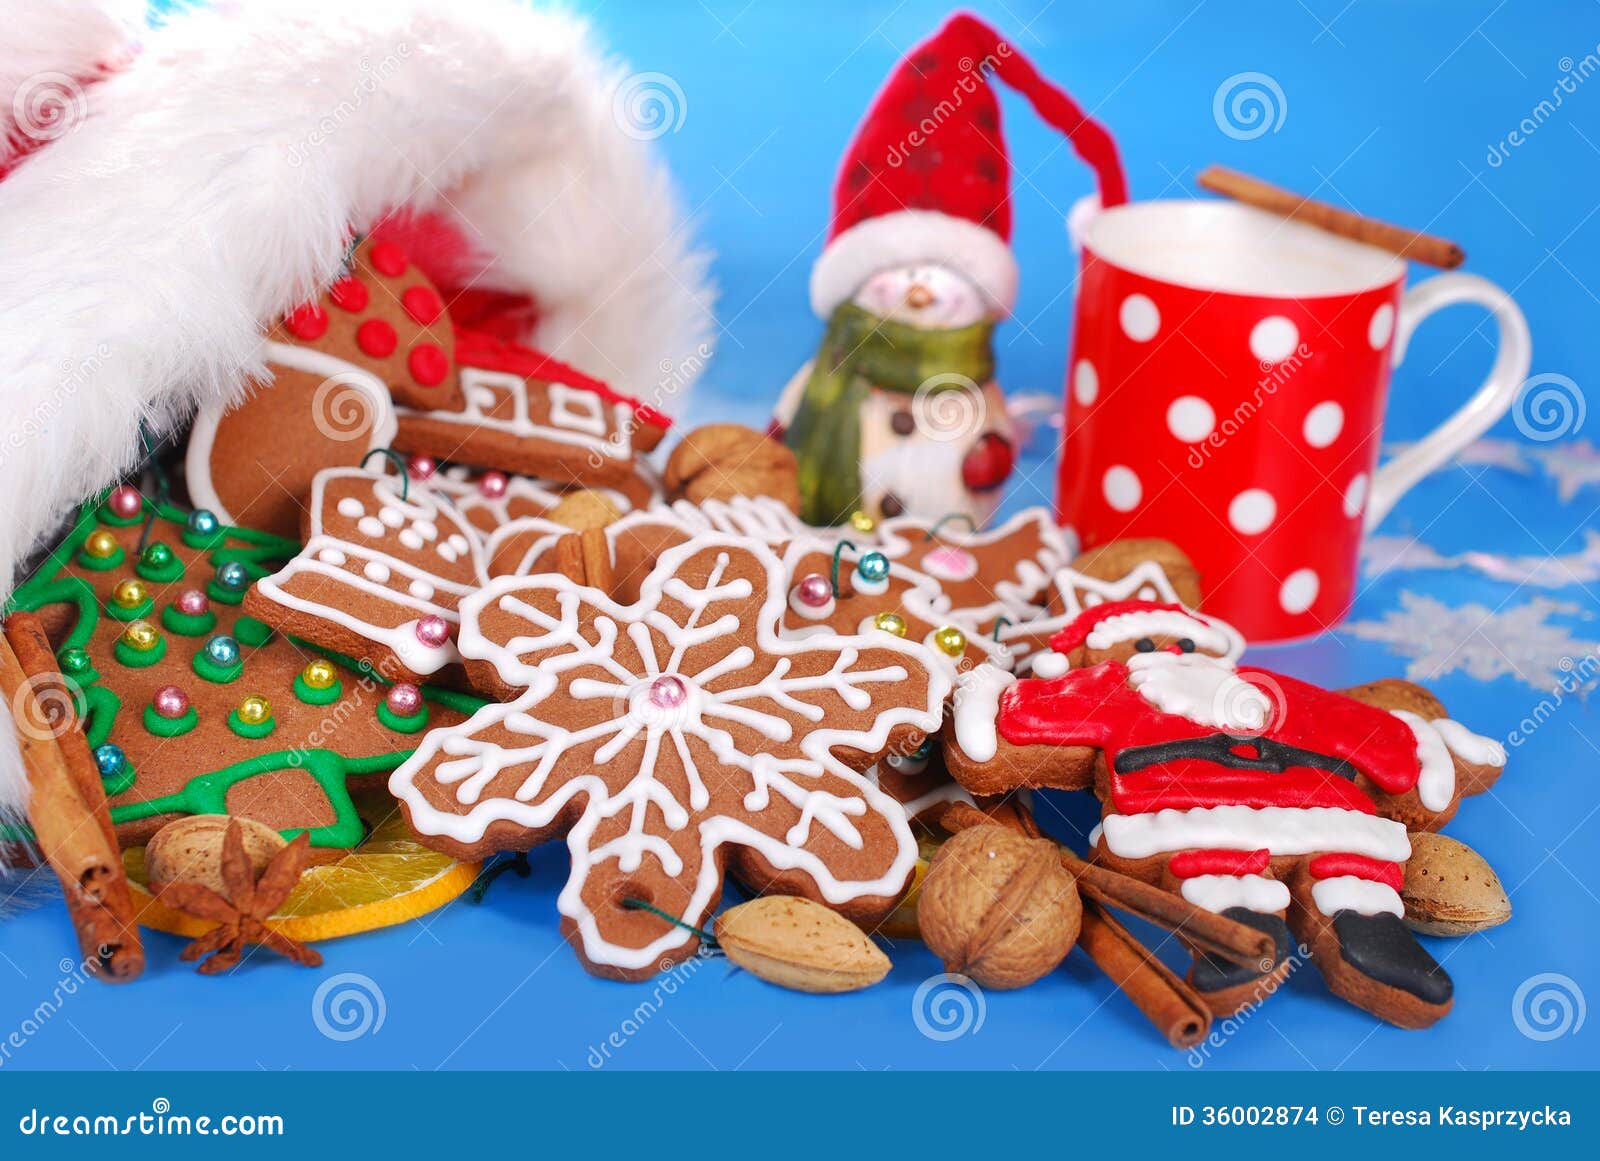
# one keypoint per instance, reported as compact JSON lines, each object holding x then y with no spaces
{"x":1203,"y":689}
{"x":930,"y":297}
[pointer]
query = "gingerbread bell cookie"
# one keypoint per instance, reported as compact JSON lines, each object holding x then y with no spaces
{"x":1253,"y":794}
{"x":673,"y":739}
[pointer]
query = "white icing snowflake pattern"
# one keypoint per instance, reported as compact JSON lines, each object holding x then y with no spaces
{"x":655,"y":734}
{"x":1383,"y":554}
{"x":1483,"y":643}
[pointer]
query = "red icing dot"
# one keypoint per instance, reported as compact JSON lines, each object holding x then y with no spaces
{"x":422,"y":304}
{"x":388,"y":259}
{"x":428,"y":364}
{"x":348,"y":294}
{"x":307,"y":321}
{"x":376,"y":338}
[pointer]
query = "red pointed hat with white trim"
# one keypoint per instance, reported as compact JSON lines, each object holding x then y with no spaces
{"x":927,"y":178}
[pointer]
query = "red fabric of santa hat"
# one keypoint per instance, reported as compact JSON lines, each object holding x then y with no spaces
{"x":927,"y":178}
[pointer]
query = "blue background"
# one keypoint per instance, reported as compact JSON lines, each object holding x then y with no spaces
{"x":1391,"y":108}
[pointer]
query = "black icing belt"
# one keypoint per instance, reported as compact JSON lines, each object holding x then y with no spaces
{"x":1270,"y":756}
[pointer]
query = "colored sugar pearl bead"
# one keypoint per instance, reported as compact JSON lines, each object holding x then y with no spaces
{"x":950,"y":641}
{"x":891,"y":623}
{"x":319,"y":674}
{"x":493,"y":485}
{"x":170,"y":702}
{"x":254,"y":710}
{"x":130,"y":593}
{"x":873,"y":568}
{"x":223,"y":651}
{"x":141,"y":635}
{"x":75,"y":660}
{"x":100,"y":545}
{"x":814,"y":591}
{"x":422,"y":467}
{"x":125,"y":501}
{"x":433,"y":631}
{"x":233,"y":576}
{"x":192,"y":603}
{"x":158,"y":555}
{"x":861,"y":522}
{"x":404,"y":699}
{"x":202,"y":522}
{"x":111,"y":760}
{"x":668,"y":691}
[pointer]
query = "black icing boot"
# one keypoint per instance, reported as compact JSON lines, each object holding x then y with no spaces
{"x":1227,"y":986}
{"x":1385,"y":954}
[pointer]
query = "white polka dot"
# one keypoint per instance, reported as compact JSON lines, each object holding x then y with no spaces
{"x":1139,"y":317}
{"x":376,"y":570}
{"x":421,"y":589}
{"x":1355,"y":496}
{"x":331,"y":556}
{"x":367,"y":526}
{"x":1299,"y":591}
{"x":410,"y":538}
{"x":1252,"y":511}
{"x":1381,"y":328}
{"x":351,"y":507}
{"x":1122,"y":488}
{"x":1323,"y":424}
{"x":1190,"y":418}
{"x":1273,"y":339}
{"x":393,"y":517}
{"x":1085,"y":382}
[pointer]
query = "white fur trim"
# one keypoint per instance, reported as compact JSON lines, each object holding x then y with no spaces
{"x":50,"y":52}
{"x":211,"y":185}
{"x":909,"y":237}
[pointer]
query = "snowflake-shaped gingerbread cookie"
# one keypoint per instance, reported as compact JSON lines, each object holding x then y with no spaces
{"x":671,"y":739}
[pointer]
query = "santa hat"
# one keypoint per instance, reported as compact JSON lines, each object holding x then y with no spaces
{"x":926,"y":179}
{"x":170,"y":203}
{"x":1111,"y":623}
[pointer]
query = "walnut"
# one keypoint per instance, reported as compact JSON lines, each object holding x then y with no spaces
{"x":721,"y":461}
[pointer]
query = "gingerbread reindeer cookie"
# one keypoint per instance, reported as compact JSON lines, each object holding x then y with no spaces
{"x":1252,"y":793}
{"x":672,"y":739}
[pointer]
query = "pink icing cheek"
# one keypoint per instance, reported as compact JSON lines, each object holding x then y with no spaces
{"x":946,"y":562}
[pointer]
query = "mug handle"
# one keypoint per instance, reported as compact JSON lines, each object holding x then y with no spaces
{"x":1513,"y":357}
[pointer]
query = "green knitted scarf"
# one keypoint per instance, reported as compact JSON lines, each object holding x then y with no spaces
{"x":861,"y":351}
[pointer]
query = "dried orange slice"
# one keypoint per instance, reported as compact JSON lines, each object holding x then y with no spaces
{"x":389,"y":879}
{"x":902,"y":921}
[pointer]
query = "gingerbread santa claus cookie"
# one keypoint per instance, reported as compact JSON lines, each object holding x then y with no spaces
{"x":673,"y":739}
{"x":1254,"y":794}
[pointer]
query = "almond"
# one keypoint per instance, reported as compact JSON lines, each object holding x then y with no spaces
{"x":1450,"y":889}
{"x":189,"y":850}
{"x":798,"y":944}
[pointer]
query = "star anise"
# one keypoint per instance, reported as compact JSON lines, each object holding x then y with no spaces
{"x":241,"y":915}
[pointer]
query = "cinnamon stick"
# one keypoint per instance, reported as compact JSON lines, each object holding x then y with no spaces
{"x":1207,"y":931}
{"x":595,"y":551}
{"x":1167,"y":1001}
{"x":1428,"y":249}
{"x":67,"y":806}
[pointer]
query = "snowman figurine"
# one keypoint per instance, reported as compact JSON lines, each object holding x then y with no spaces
{"x":898,"y":412}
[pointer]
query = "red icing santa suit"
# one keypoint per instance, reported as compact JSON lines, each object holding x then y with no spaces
{"x":1232,"y":766}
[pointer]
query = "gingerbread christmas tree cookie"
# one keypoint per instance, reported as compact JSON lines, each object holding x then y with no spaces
{"x":672,"y":739}
{"x":192,"y":705}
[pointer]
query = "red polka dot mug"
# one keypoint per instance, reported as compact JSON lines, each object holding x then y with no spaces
{"x":1227,"y":389}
